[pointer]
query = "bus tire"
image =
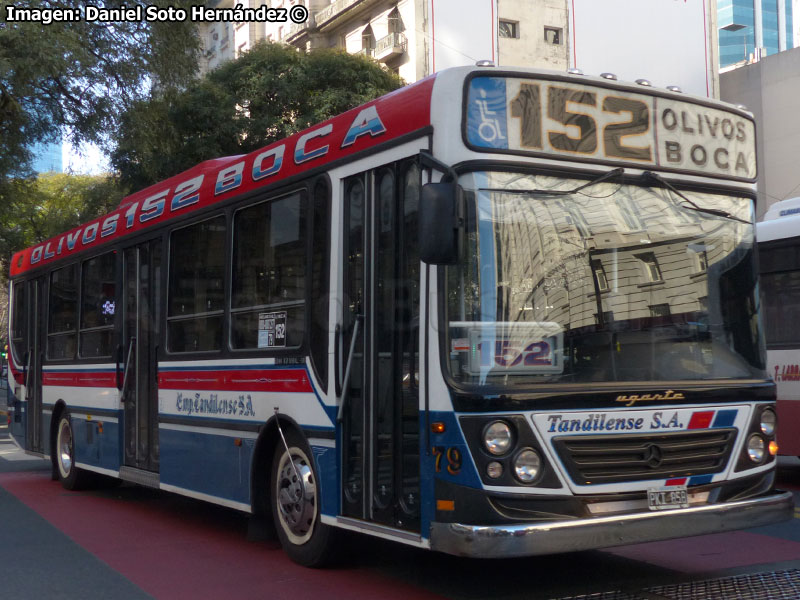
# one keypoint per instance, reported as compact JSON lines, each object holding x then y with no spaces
{"x":71,"y":477}
{"x":296,"y":504}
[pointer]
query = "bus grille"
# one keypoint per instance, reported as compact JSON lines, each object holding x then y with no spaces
{"x":596,"y":459}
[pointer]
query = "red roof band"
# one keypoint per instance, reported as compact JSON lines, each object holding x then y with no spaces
{"x":389,"y":117}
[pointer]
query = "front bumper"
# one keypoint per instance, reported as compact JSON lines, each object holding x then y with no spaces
{"x":499,"y":541}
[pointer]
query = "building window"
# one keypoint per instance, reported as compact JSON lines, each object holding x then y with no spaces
{"x":600,"y":275}
{"x":607,"y":318}
{"x":702,"y":261}
{"x":367,"y":41}
{"x":552,"y":35}
{"x":659,"y":310}
{"x":651,"y":266}
{"x":508,"y":29}
{"x":396,"y":22}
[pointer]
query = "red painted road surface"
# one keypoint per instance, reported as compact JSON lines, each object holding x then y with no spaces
{"x":174,"y":548}
{"x":174,"y":555}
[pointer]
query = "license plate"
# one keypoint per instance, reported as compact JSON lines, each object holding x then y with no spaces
{"x":674,"y":496}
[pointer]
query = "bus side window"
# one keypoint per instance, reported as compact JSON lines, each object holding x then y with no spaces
{"x":196,"y":287}
{"x":98,"y":305}
{"x":63,"y":309}
{"x":19,"y":321}
{"x":269,"y":274}
{"x":320,"y":280}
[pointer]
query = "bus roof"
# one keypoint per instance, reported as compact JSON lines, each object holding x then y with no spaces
{"x":482,"y":116}
{"x":781,"y":221}
{"x":397,"y":114}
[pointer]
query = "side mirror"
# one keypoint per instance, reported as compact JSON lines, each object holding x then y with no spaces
{"x":440,"y":223}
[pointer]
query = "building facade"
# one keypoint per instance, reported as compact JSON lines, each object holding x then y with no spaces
{"x":47,"y":157}
{"x":413,"y":38}
{"x":769,"y":89}
{"x":752,"y":29}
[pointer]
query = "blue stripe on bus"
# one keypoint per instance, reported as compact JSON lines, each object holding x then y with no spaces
{"x":725,"y":418}
{"x":206,"y":463}
{"x":104,"y":448}
{"x":701,"y":479}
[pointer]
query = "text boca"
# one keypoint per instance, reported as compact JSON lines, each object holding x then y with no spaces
{"x":308,"y":147}
{"x":698,"y":138}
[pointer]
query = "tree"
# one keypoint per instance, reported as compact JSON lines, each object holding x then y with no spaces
{"x":79,"y":75}
{"x":270,"y":92}
{"x":42,"y":208}
{"x":51,"y":204}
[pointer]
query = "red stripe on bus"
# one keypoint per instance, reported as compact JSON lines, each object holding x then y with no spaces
{"x":678,"y":481}
{"x":80,"y":379}
{"x":245,"y":380}
{"x":701,"y":420}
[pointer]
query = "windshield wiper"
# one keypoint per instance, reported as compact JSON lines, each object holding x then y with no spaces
{"x":692,"y":205}
{"x":541,"y":192}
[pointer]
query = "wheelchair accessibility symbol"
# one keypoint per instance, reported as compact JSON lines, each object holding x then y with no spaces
{"x":489,"y":128}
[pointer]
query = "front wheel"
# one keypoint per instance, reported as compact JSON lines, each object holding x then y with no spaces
{"x":295,"y":500}
{"x":71,"y":477}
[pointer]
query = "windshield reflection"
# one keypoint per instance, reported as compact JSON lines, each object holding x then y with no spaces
{"x":612,"y":283}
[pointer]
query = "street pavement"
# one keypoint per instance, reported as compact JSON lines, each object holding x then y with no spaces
{"x":130,"y":542}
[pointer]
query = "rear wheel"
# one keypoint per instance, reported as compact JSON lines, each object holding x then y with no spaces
{"x":71,"y":477}
{"x":295,"y":500}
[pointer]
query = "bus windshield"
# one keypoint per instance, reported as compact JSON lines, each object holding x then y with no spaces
{"x":601,"y":283}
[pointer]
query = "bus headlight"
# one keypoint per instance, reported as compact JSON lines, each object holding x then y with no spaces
{"x":756,"y":448}
{"x":497,"y":438}
{"x":527,"y":465}
{"x":768,"y":421}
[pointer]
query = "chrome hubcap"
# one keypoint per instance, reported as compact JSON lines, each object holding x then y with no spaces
{"x":65,"y":449}
{"x":297,"y":498}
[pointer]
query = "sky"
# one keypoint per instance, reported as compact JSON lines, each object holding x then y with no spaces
{"x":86,"y":160}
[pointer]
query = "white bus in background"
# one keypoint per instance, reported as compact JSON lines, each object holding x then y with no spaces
{"x":778,"y":238}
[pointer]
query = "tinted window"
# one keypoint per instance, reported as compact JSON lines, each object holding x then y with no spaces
{"x":63,"y":309}
{"x":320,"y":274}
{"x":98,"y":305}
{"x":780,"y":293}
{"x":19,"y":314}
{"x":269,"y":274}
{"x":196,"y":287}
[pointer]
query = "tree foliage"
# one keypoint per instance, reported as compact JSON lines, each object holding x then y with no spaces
{"x":80,"y":75}
{"x":270,"y":92}
{"x":42,"y":208}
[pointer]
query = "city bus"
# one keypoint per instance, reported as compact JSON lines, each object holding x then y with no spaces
{"x":778,"y":238}
{"x":495,"y":313}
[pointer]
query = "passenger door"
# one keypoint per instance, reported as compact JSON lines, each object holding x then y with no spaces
{"x":380,"y":321}
{"x":142,"y":265}
{"x":33,"y":367}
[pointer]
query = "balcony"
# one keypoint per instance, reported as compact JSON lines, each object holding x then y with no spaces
{"x":366,"y":52}
{"x":390,"y":46}
{"x":340,"y":11}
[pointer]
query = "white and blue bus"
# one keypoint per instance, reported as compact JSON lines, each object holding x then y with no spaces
{"x":779,"y":261}
{"x":495,"y":313}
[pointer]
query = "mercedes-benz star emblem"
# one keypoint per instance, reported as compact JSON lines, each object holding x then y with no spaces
{"x":653,"y":456}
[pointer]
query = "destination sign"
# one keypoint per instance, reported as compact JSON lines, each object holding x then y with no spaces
{"x":568,"y":120}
